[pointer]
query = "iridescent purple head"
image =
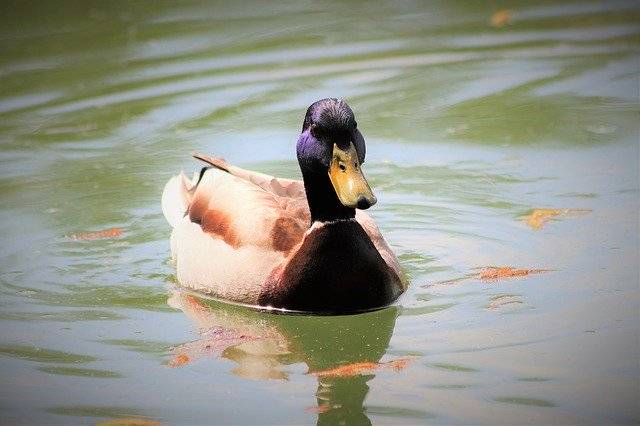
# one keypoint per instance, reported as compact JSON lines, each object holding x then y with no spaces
{"x":331,"y":145}
{"x":327,"y":121}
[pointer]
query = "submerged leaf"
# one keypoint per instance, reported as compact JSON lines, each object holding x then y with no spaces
{"x":179,"y":360}
{"x":501,"y":18}
{"x":364,"y":367}
{"x":539,"y":217}
{"x":352,"y":369}
{"x":493,"y":273}
{"x":490,"y":274}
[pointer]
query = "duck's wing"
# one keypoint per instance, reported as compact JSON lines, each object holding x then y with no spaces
{"x":240,"y":206}
{"x":230,"y":233}
{"x":242,"y":213}
{"x":289,"y":188}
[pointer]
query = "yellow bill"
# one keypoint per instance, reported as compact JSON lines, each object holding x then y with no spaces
{"x":347,"y":179}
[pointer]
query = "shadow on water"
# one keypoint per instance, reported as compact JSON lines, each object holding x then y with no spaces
{"x":263,"y":345}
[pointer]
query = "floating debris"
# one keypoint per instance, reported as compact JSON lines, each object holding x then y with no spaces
{"x":347,"y":370}
{"x":365,"y":367}
{"x":491,"y":274}
{"x":95,"y":235}
{"x":501,"y":18}
{"x":179,"y":360}
{"x":539,"y":217}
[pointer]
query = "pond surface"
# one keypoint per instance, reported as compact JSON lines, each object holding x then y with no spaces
{"x":471,"y":124}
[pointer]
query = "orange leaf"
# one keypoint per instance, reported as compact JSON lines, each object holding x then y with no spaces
{"x":501,"y":18}
{"x":180,"y":360}
{"x":347,"y":370}
{"x":94,"y":235}
{"x":495,"y":273}
{"x":363,"y":367}
{"x":539,"y":217}
{"x":490,"y":273}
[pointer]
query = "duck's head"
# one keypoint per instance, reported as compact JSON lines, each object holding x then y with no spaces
{"x":331,"y":148}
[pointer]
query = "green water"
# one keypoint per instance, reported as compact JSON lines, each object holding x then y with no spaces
{"x":469,"y":127}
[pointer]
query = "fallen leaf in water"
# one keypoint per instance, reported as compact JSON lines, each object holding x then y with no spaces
{"x":501,"y":18}
{"x":493,"y":273}
{"x":364,"y":367}
{"x":130,"y":421}
{"x":348,"y":370}
{"x":94,"y":235}
{"x":179,"y":360}
{"x":490,"y":273}
{"x":539,"y":217}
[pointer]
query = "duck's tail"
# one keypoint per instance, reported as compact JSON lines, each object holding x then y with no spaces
{"x":178,"y":192}
{"x":176,"y":198}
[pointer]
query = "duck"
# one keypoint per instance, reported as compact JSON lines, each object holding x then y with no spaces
{"x":292,"y":245}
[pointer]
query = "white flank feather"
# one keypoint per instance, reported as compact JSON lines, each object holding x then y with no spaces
{"x":175,"y":198}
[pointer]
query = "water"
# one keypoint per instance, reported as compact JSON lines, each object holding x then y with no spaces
{"x":469,"y":127}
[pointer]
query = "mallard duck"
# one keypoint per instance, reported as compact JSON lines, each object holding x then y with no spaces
{"x":308,"y":245}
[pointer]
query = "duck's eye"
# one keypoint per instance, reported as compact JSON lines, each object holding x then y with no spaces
{"x":342,"y":167}
{"x":355,"y":164}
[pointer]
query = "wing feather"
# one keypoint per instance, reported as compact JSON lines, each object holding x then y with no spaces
{"x":241,"y":213}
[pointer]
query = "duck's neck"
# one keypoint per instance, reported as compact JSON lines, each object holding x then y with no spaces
{"x":323,"y":201}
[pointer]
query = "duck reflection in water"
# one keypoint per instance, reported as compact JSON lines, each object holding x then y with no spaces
{"x":341,"y":351}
